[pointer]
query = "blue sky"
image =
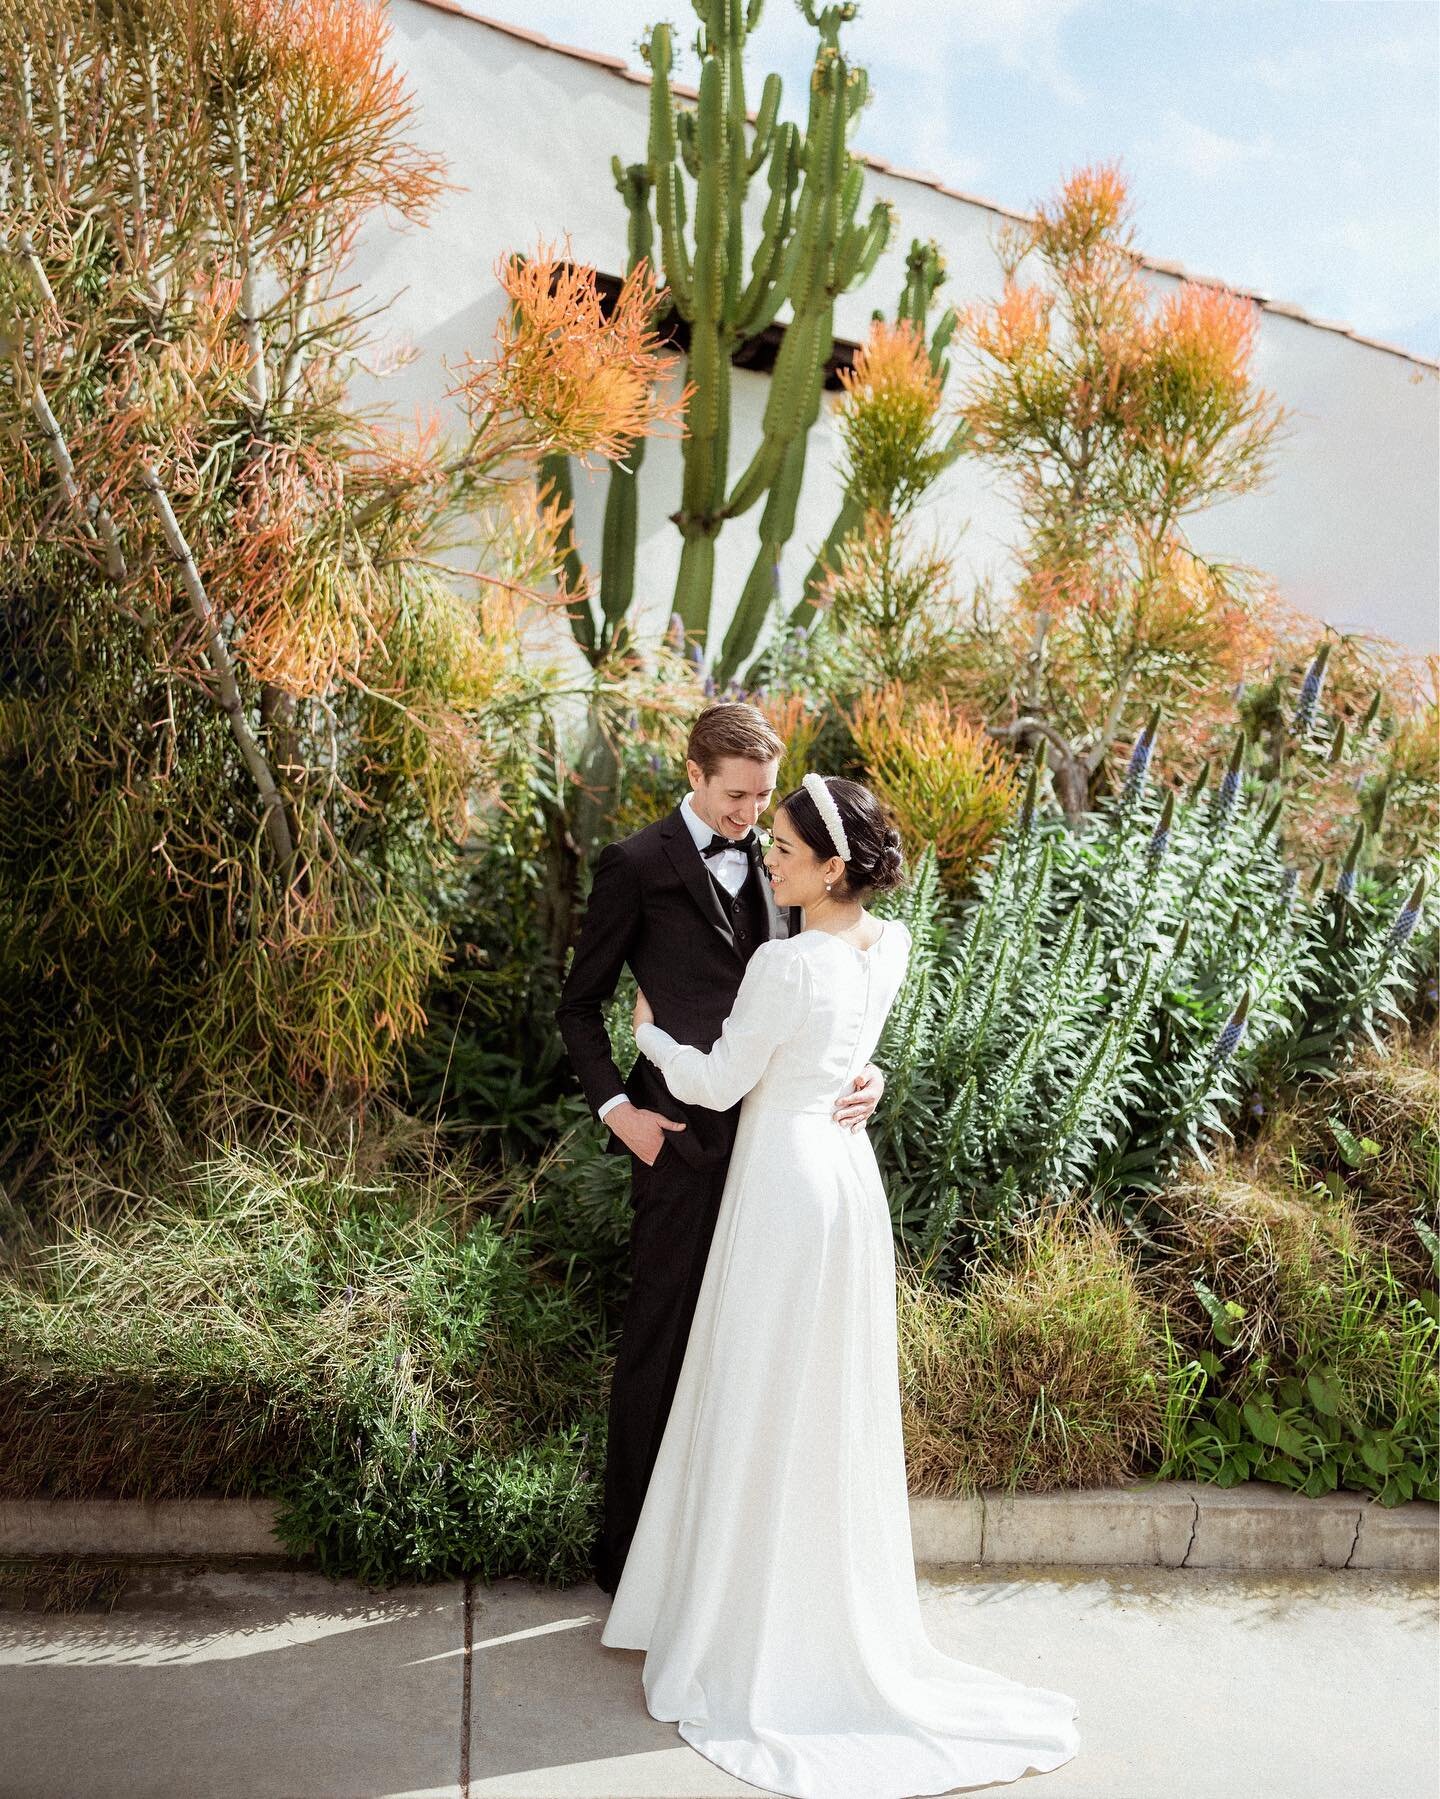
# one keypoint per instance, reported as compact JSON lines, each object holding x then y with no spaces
{"x":1289,"y":146}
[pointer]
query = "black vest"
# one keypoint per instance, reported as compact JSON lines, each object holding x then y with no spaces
{"x":745,"y":910}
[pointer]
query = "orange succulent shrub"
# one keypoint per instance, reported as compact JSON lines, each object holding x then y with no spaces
{"x":1345,"y":728}
{"x":945,"y":781}
{"x":584,"y":379}
{"x":887,"y":419}
{"x":797,"y":722}
{"x":1112,"y":416}
{"x":257,"y":700}
{"x":892,"y":607}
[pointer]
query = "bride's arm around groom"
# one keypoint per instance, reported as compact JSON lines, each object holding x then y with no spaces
{"x":771,"y":1006}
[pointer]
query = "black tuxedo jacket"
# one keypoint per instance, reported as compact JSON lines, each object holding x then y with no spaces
{"x":653,"y":905}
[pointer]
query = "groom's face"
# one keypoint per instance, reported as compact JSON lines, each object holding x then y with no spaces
{"x":733,"y":798}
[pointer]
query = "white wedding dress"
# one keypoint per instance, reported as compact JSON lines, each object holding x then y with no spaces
{"x":771,"y":1578}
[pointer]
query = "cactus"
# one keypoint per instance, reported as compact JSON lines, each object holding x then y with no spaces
{"x":812,"y":247}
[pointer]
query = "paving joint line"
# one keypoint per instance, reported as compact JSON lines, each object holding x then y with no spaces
{"x":466,"y":1684}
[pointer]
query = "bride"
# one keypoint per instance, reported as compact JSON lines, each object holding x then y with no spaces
{"x":771,"y":1579}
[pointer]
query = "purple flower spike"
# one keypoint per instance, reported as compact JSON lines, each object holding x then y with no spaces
{"x":1309,"y":700}
{"x":709,"y":688}
{"x":1407,"y":918}
{"x":1160,"y":836}
{"x":1229,"y":1039}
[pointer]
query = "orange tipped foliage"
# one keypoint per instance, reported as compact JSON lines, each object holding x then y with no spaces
{"x":943,"y":779}
{"x":259,"y":704}
{"x":893,"y":365}
{"x":586,"y":381}
{"x":1201,"y":341}
{"x":1088,"y":213}
{"x":1115,"y":416}
{"x":1014,"y":327}
{"x":888,"y":416}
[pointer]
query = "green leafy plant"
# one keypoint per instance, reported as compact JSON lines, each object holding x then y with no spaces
{"x":391,"y":1354}
{"x":247,"y":706}
{"x":1104,"y":1002}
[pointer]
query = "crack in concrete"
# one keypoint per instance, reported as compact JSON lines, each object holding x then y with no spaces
{"x":1194,"y":1529}
{"x":466,"y":1659}
{"x":984,"y":1509}
{"x":1359,"y":1520}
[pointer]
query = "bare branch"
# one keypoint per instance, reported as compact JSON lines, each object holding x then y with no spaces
{"x":222,"y":665}
{"x":257,"y":376}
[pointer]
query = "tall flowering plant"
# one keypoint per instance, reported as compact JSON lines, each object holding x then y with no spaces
{"x":247,"y":703}
{"x":1112,"y":418}
{"x":1103,"y":1002}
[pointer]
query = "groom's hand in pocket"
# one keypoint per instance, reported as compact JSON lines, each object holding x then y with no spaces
{"x":642,"y":1132}
{"x":857,"y":1103}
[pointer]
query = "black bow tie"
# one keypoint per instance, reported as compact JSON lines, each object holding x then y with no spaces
{"x":717,"y":845}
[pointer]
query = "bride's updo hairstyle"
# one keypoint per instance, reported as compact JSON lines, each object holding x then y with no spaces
{"x":876,"y":863}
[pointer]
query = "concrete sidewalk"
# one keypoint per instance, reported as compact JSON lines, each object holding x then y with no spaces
{"x":269,"y":1683}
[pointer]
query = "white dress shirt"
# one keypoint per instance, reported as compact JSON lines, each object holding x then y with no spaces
{"x":730,"y":868}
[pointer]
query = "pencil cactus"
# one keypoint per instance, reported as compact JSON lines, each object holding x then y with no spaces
{"x":813,"y":246}
{"x":924,"y":273}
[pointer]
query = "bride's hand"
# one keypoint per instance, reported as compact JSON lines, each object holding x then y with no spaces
{"x":643,"y":1013}
{"x":854,"y":1107}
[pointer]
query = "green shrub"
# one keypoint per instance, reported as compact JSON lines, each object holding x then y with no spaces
{"x":1046,"y":1372}
{"x":1104,"y":1002}
{"x":1299,"y":1285}
{"x":385,"y":1354}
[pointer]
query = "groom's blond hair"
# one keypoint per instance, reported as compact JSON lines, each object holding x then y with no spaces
{"x":732,"y":728}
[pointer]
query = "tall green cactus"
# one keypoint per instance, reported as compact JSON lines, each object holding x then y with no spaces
{"x":924,"y":272}
{"x":812,"y":247}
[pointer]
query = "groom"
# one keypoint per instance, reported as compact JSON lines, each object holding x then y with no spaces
{"x":685,"y":902}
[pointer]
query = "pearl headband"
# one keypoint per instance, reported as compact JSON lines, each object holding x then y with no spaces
{"x":825,"y":805}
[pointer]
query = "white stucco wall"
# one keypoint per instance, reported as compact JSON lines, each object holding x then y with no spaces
{"x":1349,"y":525}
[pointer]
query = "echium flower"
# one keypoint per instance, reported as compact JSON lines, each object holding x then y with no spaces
{"x":709,"y":687}
{"x":1407,"y":917}
{"x":1138,"y":766}
{"x":1032,"y":790}
{"x":1229,"y":1039}
{"x":1309,"y":700}
{"x":1345,"y":880}
{"x":1160,"y":836}
{"x":1227,"y":795}
{"x":676,"y":632}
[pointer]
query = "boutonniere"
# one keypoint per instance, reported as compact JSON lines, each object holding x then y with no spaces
{"x":765,"y":838}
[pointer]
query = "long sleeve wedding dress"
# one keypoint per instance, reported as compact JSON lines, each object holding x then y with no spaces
{"x":771,"y":1579}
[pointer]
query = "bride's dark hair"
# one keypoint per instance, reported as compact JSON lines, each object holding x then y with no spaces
{"x":876,"y":862}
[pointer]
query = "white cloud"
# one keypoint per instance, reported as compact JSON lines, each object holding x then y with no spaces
{"x":1023,"y":36}
{"x":1186,"y":144}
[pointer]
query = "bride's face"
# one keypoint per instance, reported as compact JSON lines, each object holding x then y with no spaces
{"x":797,"y":874}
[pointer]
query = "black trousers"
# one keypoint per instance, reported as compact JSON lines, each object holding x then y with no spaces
{"x":674,"y":1221}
